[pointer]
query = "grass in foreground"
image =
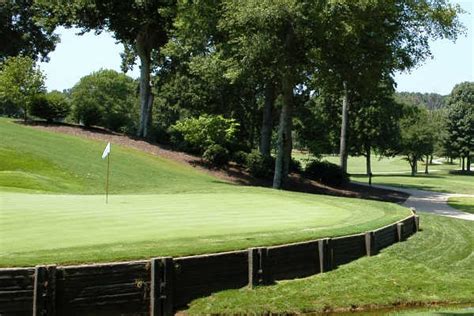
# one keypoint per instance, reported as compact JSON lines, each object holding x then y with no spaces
{"x":64,"y":229}
{"x":465,"y":204}
{"x":434,"y":265}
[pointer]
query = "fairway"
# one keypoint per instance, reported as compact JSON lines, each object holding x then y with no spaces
{"x":396,"y":172}
{"x":53,"y":209}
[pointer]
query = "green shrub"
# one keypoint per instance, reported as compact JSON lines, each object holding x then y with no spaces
{"x":197,"y":134}
{"x":295,"y":166}
{"x":52,"y":106}
{"x":106,"y":98}
{"x":258,"y":165}
{"x":240,"y":157}
{"x":216,"y":155}
{"x":326,"y":173}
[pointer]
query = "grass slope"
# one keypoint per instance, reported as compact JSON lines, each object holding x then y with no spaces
{"x":465,"y":204}
{"x":39,"y":161}
{"x":433,"y":266}
{"x":52,"y":210}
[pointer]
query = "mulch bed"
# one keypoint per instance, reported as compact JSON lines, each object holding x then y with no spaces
{"x":233,"y":173}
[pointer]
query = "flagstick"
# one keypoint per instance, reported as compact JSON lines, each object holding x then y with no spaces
{"x":107,"y":181}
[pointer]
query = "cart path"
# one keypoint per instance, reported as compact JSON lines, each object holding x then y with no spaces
{"x":431,"y":202}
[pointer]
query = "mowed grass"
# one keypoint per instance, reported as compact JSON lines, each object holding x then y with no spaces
{"x":465,"y":204}
{"x":37,"y":161}
{"x":396,"y":172}
{"x":434,"y":266}
{"x":52,"y":207}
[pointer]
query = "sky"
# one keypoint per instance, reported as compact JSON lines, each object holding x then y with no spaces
{"x":77,"y":56}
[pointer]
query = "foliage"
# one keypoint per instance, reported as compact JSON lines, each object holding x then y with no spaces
{"x":141,"y":26}
{"x":22,"y":32}
{"x":21,"y":81}
{"x":197,"y":134}
{"x":431,"y":101}
{"x":326,"y":173}
{"x":106,"y":98}
{"x":460,"y":121}
{"x":258,"y":165}
{"x":216,"y":155}
{"x":239,"y":157}
{"x":417,"y":136}
{"x":51,"y":106}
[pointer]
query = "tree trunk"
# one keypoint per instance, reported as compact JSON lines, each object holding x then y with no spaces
{"x":468,"y":166}
{"x":284,"y":143}
{"x":413,"y":166}
{"x":368,"y":161}
{"x":463,"y":162}
{"x":427,"y":163}
{"x":344,"y":126}
{"x":266,"y":132}
{"x":144,"y":53}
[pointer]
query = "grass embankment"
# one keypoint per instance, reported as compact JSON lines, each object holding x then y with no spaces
{"x":52,"y":210}
{"x":396,"y":172}
{"x":465,"y":204}
{"x":433,"y":266}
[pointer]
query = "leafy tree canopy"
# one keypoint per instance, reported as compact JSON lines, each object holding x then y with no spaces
{"x":22,"y":31}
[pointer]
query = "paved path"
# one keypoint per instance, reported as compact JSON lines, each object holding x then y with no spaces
{"x":431,"y":202}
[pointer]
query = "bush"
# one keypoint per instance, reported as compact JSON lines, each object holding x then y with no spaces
{"x":197,"y":134}
{"x":258,"y":165}
{"x":51,"y":106}
{"x":108,"y":99}
{"x":240,"y":157}
{"x":326,"y":173}
{"x":295,"y":166}
{"x":216,"y":155}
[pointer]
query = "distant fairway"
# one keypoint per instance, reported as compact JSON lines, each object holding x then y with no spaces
{"x":396,"y":172}
{"x":52,"y":208}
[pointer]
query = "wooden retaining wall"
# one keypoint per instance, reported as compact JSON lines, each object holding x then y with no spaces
{"x":162,"y":285}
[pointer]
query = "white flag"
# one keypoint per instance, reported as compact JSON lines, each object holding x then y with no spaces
{"x":106,"y":151}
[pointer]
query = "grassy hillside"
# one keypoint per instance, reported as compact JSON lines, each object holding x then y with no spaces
{"x":40,"y":161}
{"x":433,"y":266}
{"x":52,"y":208}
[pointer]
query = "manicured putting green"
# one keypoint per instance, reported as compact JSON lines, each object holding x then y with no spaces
{"x":40,"y":228}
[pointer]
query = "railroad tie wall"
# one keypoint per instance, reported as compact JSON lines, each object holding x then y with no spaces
{"x":160,"y":286}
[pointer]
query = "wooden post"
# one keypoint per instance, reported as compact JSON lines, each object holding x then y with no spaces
{"x":161,"y":287}
{"x":417,"y":223}
{"x":325,"y":255}
{"x":400,"y":231}
{"x":44,"y":291}
{"x":370,"y":246}
{"x":259,"y":273}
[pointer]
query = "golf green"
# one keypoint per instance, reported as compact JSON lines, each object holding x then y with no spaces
{"x":46,"y":228}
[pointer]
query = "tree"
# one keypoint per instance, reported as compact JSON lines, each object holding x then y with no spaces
{"x":375,"y":124}
{"x":142,"y":26}
{"x":273,"y":37}
{"x":460,"y":122}
{"x":51,"y":106}
{"x":22,"y":32}
{"x":106,"y":98}
{"x":366,"y":41}
{"x":21,"y":81}
{"x":417,"y":136}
